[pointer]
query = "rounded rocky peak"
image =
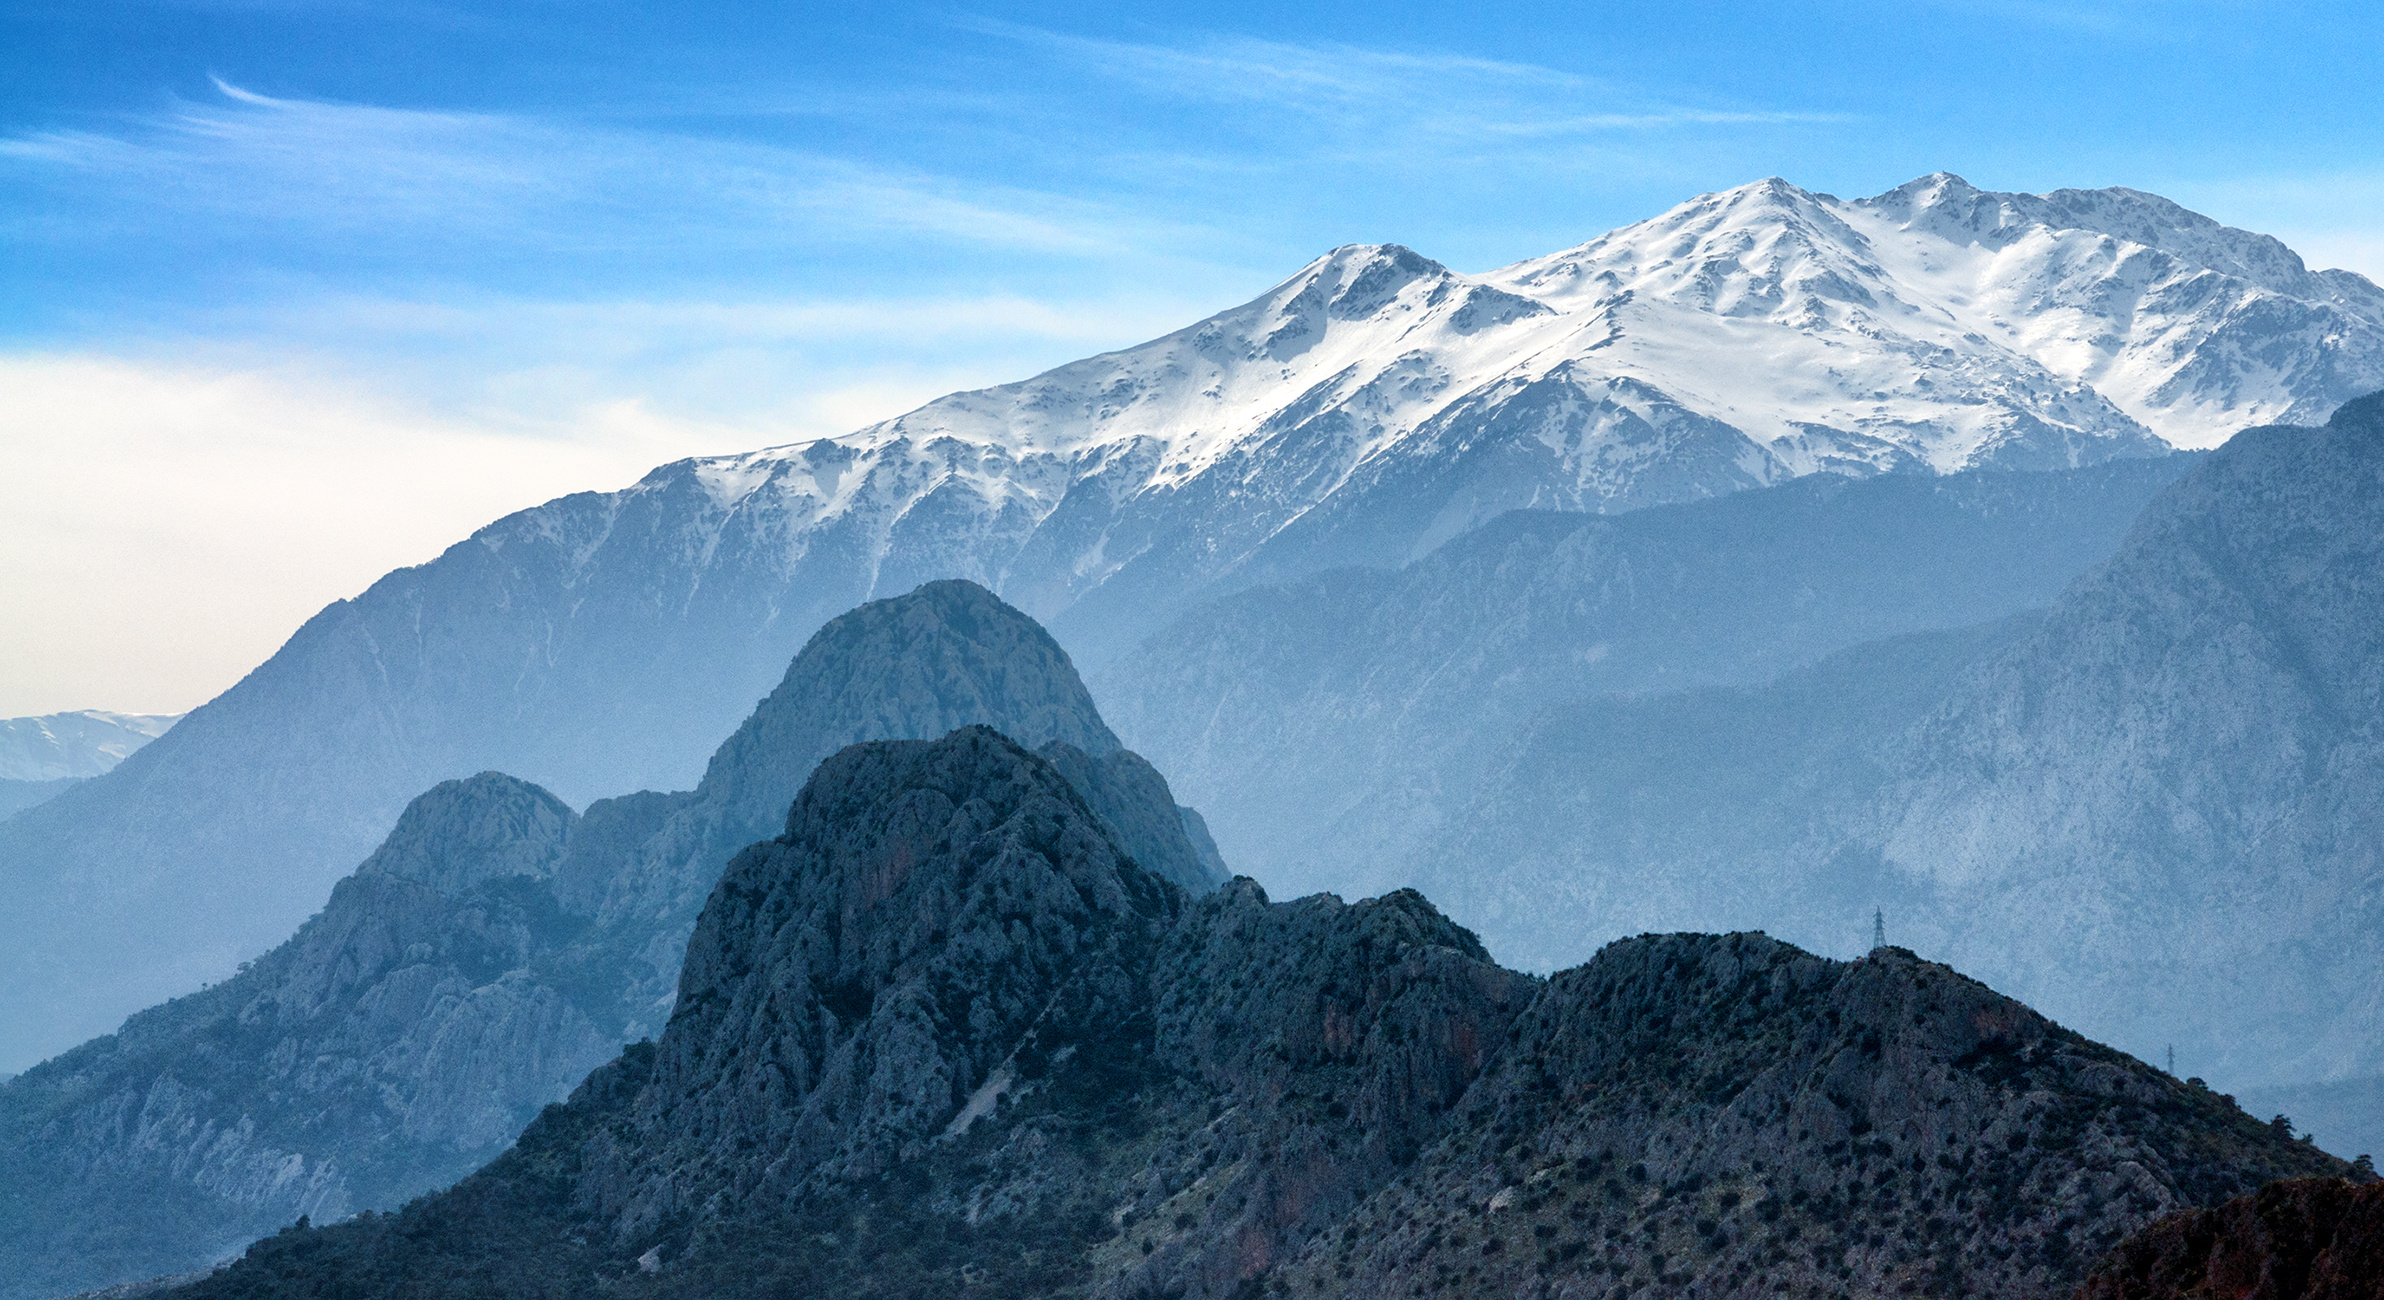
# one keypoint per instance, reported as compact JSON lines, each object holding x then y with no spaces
{"x":852,"y":982}
{"x":919,"y":666}
{"x":459,"y":833}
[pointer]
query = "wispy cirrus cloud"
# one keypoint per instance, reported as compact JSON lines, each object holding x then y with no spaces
{"x":1433,"y":97}
{"x":550,"y":183}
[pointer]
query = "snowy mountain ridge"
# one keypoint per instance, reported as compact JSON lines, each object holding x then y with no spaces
{"x":1741,"y":339}
{"x":68,"y":746}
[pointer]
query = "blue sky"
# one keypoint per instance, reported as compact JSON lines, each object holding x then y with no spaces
{"x":291,"y":293}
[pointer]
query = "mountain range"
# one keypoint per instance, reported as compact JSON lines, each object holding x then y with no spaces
{"x":1334,"y":728}
{"x":497,"y":946}
{"x":493,"y":950}
{"x":41,"y":756}
{"x":2149,"y":809}
{"x":943,"y":1036}
{"x":1367,"y":411}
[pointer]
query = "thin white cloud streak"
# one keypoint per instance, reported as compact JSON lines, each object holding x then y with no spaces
{"x":1452,"y":98}
{"x":760,"y":366}
{"x":497,"y":178}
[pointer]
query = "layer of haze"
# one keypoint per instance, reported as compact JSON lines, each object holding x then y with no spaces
{"x":293,"y":293}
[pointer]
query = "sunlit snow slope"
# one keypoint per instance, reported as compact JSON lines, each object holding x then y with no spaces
{"x":1377,"y":403}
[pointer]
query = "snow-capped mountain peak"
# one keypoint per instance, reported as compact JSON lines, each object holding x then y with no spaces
{"x":72,"y":746}
{"x":1377,"y":402}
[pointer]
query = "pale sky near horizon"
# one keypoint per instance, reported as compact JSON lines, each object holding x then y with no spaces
{"x":297,"y":291}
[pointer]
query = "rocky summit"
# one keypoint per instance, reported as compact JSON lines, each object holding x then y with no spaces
{"x":491,"y":952}
{"x":945,"y":1036}
{"x":400,"y":1039}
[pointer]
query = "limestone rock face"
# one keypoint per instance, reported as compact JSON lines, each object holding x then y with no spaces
{"x":948,"y":655}
{"x":932,"y":911}
{"x":459,"y":833}
{"x":1133,"y":800}
{"x":2179,"y":779}
{"x":916,"y":667}
{"x":944,"y":1035}
{"x":397,"y":1041}
{"x":493,"y":951}
{"x":1731,"y":1116}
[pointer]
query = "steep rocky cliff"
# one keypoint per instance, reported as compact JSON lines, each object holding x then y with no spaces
{"x":916,"y":667}
{"x":487,"y":955}
{"x":399,"y":1040}
{"x":943,"y":1037}
{"x":2305,"y":1239}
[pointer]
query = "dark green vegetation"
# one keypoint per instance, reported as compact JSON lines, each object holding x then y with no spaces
{"x":494,"y":950}
{"x":943,"y":1037}
{"x":2307,"y":1239}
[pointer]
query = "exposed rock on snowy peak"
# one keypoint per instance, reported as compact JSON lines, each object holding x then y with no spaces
{"x":41,"y":756}
{"x":942,"y":1037}
{"x":1963,"y":327}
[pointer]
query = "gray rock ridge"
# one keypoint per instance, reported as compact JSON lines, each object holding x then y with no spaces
{"x":1331,"y":729}
{"x":458,"y":834}
{"x":398,"y":1040}
{"x":1133,"y":801}
{"x":1726,"y":1115}
{"x":1609,"y":816}
{"x":932,"y":908}
{"x":2150,"y":810}
{"x":915,"y":667}
{"x":944,"y":1034}
{"x":2184,"y":769}
{"x":505,"y":947}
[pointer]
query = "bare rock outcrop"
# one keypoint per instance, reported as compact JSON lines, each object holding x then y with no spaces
{"x":945,"y":1036}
